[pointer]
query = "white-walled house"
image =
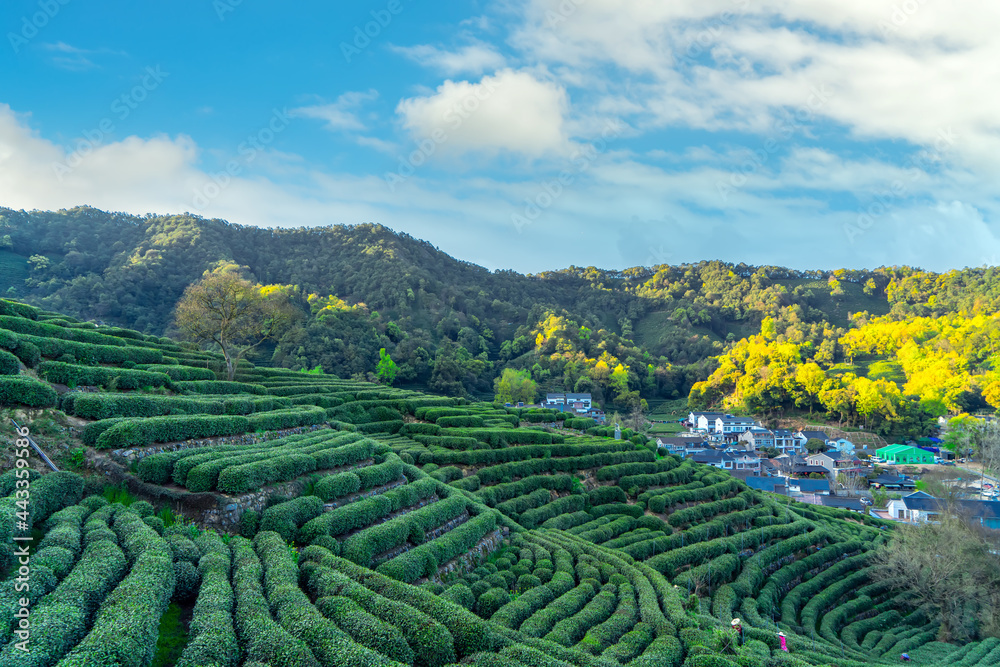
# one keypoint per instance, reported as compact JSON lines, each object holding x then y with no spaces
{"x":704,"y":420}
{"x":899,"y":511}
{"x":729,"y":425}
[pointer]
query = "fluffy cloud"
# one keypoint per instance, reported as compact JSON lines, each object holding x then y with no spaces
{"x":512,"y":111}
{"x":913,"y":70}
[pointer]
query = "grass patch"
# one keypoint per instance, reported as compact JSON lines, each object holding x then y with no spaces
{"x":173,"y":637}
{"x":666,"y":429}
{"x":118,"y":494}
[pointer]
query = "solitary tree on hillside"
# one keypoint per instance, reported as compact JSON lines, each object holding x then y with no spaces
{"x":234,"y":313}
{"x":387,"y":368}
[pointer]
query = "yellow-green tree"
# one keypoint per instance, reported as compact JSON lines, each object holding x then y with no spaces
{"x":237,"y":315}
{"x":515,"y":386}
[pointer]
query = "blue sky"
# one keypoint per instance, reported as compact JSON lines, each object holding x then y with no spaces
{"x":525,"y":134}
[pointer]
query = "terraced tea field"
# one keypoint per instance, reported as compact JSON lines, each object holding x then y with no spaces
{"x":298,"y":519}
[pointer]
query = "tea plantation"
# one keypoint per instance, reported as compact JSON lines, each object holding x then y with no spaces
{"x":299,"y":519}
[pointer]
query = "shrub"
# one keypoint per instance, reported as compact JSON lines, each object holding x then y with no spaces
{"x":221,"y":387}
{"x":249,"y":523}
{"x":180,"y":373}
{"x":566,"y":605}
{"x":337,"y":486}
{"x":62,"y":620}
{"x":667,"y":651}
{"x":263,"y":639}
{"x":28,"y":353}
{"x":9,"y":364}
{"x":603,"y":495}
{"x":617,"y":508}
{"x":119,"y":378}
{"x":515,"y":612}
{"x":364,"y":512}
{"x":565,"y":505}
{"x":290,"y":418}
{"x":286,"y":518}
{"x":126,"y":628}
{"x":461,"y":595}
{"x":22,"y":390}
{"x":432,"y":644}
{"x":364,"y":546}
{"x":8,"y":341}
{"x":384,"y":473}
{"x":139,"y":432}
{"x":490,"y":601}
{"x":188,"y":580}
{"x":571,"y":628}
{"x":213,"y":638}
{"x":420,"y":429}
{"x":466,"y":421}
{"x":367,"y":629}
{"x":55,"y":348}
{"x":299,"y":616}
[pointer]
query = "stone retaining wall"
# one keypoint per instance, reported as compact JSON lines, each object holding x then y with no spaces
{"x":127,"y":456}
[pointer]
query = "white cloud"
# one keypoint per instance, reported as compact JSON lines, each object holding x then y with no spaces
{"x":893,"y":70}
{"x":341,"y":115}
{"x":510,"y":111}
{"x":472,"y":59}
{"x":75,"y":59}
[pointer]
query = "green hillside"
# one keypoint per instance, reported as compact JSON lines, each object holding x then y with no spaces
{"x":288,"y":518}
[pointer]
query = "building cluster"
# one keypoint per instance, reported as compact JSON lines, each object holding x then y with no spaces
{"x":581,"y":405}
{"x":778,"y":461}
{"x":774,"y":460}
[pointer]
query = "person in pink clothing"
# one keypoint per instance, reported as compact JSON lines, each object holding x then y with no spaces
{"x":781,"y":639}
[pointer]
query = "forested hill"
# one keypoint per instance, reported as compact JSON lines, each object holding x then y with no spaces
{"x":451,"y":325}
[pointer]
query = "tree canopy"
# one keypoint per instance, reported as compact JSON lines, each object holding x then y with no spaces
{"x":233,"y":313}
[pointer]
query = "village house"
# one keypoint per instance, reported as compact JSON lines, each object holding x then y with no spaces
{"x":580,"y":403}
{"x":758,"y":438}
{"x":742,"y":461}
{"x":804,"y":436}
{"x":919,"y":507}
{"x":730,"y":426}
{"x":704,"y":420}
{"x":837,"y":463}
{"x":677,"y":444}
{"x":786,"y":442}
